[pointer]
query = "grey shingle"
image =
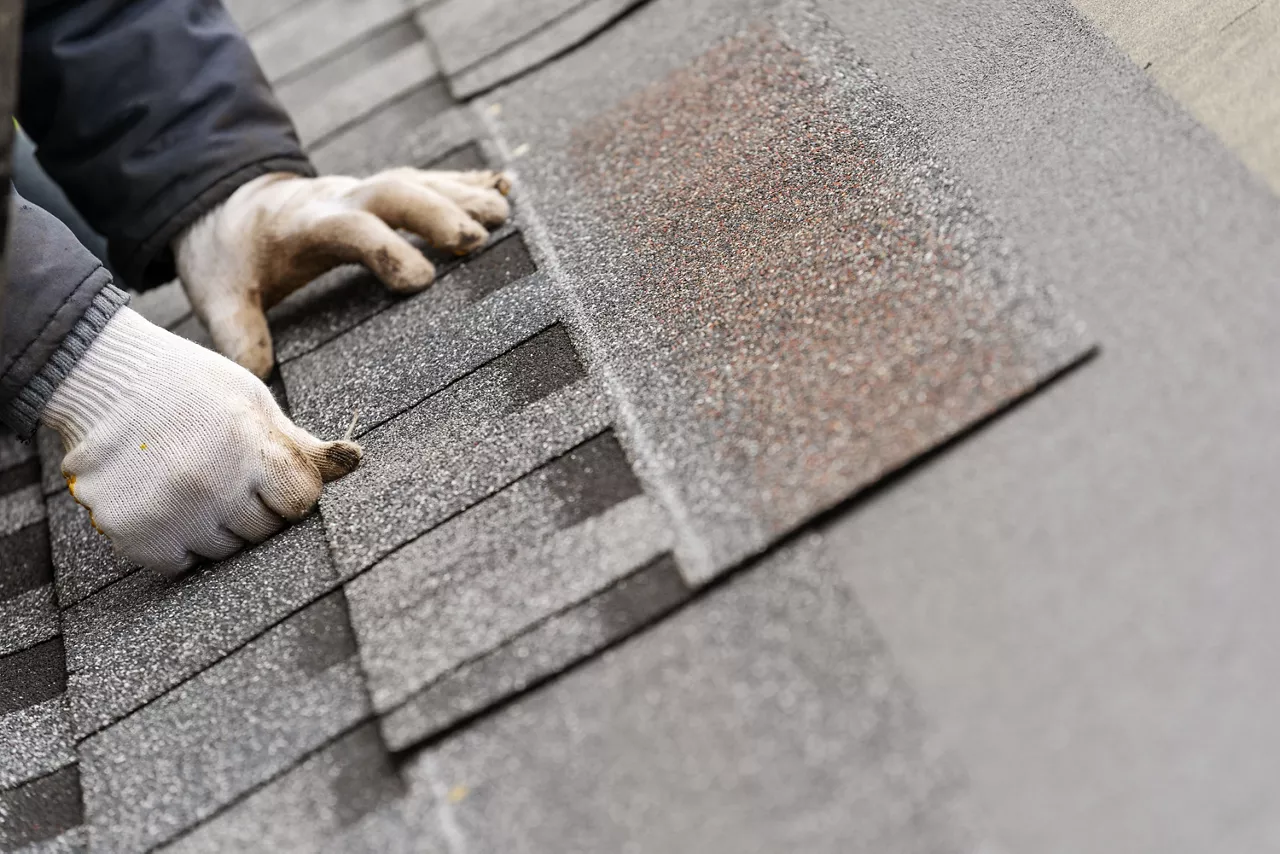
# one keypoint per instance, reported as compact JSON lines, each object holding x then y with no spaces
{"x":765,"y":716}
{"x":34,"y":741}
{"x":32,"y":675}
{"x":545,"y":543}
{"x":19,"y":465}
{"x":144,"y":634}
{"x":420,"y":344}
{"x":841,"y":311}
{"x":20,"y":509}
{"x":43,"y":814}
{"x":308,"y":33}
{"x":394,"y":76}
{"x":83,"y":559}
{"x":49,"y":447}
{"x":231,"y":728}
{"x":251,"y":14}
{"x":342,"y":299}
{"x":460,"y":445}
{"x":347,"y":798}
{"x":484,"y":43}
{"x":310,"y":88}
{"x":164,"y":306}
{"x":13,"y":451}
{"x":27,"y":619}
{"x":412,"y":131}
{"x":24,"y":558}
{"x":538,"y":654}
{"x":550,"y":40}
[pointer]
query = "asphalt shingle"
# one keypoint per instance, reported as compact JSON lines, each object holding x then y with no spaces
{"x":462,"y":444}
{"x":144,"y":634}
{"x":549,"y":541}
{"x":36,"y":741}
{"x":34,"y":733}
{"x":310,"y":32}
{"x":421,"y":344}
{"x":43,"y":815}
{"x":20,"y":509}
{"x":484,"y":43}
{"x":844,"y":310}
{"x":13,"y":451}
{"x":49,"y":447}
{"x":765,"y":716}
{"x":83,"y":559}
{"x":233,"y":727}
{"x":251,"y":14}
{"x":164,"y":306}
{"x":412,"y":131}
{"x":539,"y":45}
{"x":537,"y":654}
{"x":348,"y":798}
{"x":27,"y":619}
{"x":394,"y":75}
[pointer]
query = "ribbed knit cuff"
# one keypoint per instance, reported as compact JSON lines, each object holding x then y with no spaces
{"x":25,"y":408}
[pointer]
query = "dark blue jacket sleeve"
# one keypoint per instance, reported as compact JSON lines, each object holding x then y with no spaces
{"x":148,"y":113}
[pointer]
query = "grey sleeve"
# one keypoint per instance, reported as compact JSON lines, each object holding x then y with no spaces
{"x":59,"y":297}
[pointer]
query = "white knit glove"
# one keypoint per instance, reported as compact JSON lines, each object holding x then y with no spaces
{"x":280,"y":231}
{"x":178,"y":453}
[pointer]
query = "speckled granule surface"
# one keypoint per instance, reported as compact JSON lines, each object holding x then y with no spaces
{"x":814,"y":305}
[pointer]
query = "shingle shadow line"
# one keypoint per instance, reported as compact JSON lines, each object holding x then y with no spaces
{"x":348,"y":124}
{"x":344,"y":48}
{"x":499,"y":235}
{"x":37,"y":778}
{"x":31,"y":645}
{"x":365,"y":430}
{"x":506,"y":46}
{"x":262,"y":784}
{"x":277,"y":15}
{"x":337,"y":584}
{"x":534,"y":626}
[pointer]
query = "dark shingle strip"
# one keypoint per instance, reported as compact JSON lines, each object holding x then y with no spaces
{"x":418,"y":346}
{"x":233,"y":727}
{"x":141,"y":636}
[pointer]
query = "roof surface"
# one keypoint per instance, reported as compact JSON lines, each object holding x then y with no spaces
{"x":701,"y":509}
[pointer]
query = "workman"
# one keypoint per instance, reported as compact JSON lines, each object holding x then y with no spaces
{"x":156,"y":121}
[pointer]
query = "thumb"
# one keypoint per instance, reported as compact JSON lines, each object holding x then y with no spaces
{"x":238,"y":326}
{"x":332,"y":459}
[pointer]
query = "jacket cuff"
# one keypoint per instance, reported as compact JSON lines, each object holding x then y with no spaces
{"x":150,"y":262}
{"x":23,"y":413}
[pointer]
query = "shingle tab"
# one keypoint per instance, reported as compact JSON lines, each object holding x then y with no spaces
{"x":231,"y":728}
{"x":345,"y":799}
{"x":14,"y":451}
{"x":34,"y":741}
{"x":551,"y":540}
{"x":460,"y":445}
{"x":310,"y":32}
{"x":83,"y":559}
{"x":539,"y":653}
{"x":144,"y":634}
{"x":538,"y":46}
{"x":32,"y":675}
{"x":24,"y":559}
{"x":40,"y":811}
{"x":164,"y":306}
{"x":28,"y":619}
{"x":21,"y":508}
{"x":412,"y":131}
{"x":49,"y":447}
{"x":790,"y":298}
{"x":764,"y":716}
{"x":419,"y":345}
{"x":397,"y":75}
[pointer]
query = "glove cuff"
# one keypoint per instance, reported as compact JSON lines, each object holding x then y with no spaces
{"x":25,"y":410}
{"x":105,"y":378}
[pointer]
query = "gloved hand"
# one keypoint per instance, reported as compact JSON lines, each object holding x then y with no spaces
{"x":179,"y":453}
{"x":280,"y":231}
